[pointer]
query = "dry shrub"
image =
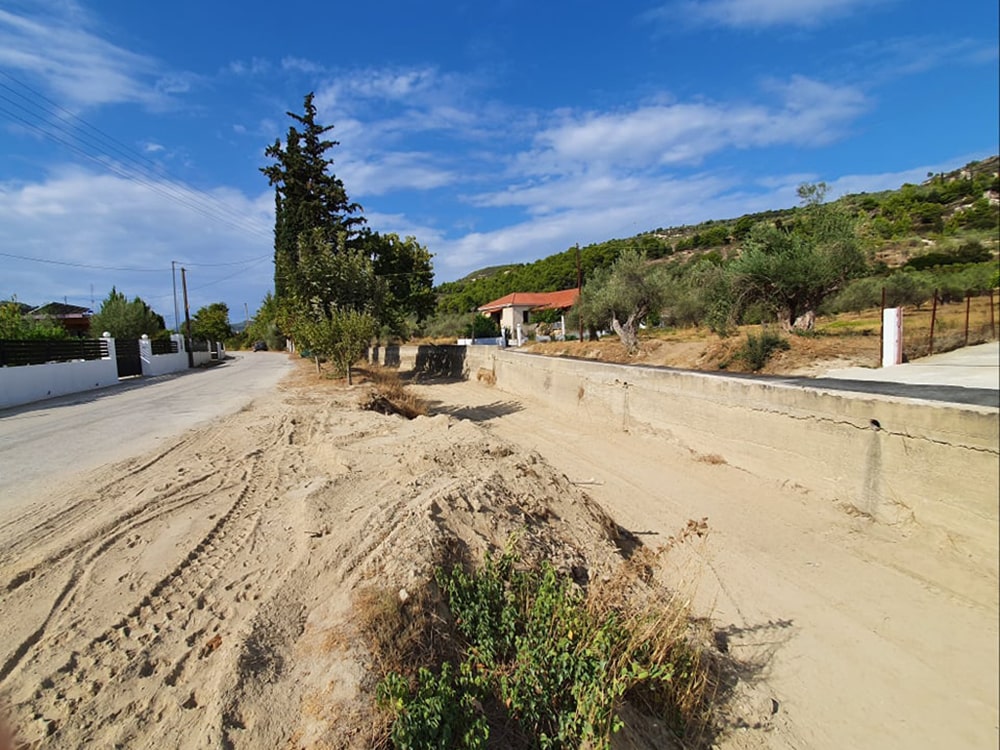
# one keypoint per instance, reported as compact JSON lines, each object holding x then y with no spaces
{"x":389,"y":395}
{"x":403,"y":631}
{"x":710,"y":458}
{"x":663,"y":630}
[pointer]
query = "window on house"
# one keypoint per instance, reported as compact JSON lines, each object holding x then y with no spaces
{"x":524,"y":316}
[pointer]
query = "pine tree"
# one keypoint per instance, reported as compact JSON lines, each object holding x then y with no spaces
{"x":307,"y":196}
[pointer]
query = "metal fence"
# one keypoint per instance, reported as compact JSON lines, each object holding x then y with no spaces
{"x":18,"y":353}
{"x":164,"y":346}
{"x":940,"y":326}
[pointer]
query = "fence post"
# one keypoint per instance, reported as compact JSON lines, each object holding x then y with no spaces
{"x":993,"y":327}
{"x":930,"y":345}
{"x":881,"y":331}
{"x":968,"y":302}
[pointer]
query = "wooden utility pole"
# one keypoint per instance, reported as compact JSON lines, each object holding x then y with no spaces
{"x":187,"y":319}
{"x":930,"y":344}
{"x":579,"y":290}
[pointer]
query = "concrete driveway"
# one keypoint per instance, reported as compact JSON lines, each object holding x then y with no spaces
{"x":971,"y":367}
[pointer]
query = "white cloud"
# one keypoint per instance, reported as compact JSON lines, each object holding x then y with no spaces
{"x":350,"y":88}
{"x":394,"y":171}
{"x":152,"y":148}
{"x":583,"y":211}
{"x":54,"y":44}
{"x":78,"y":217}
{"x":809,"y":113}
{"x":300,"y":65}
{"x":254,"y":67}
{"x":760,"y":13}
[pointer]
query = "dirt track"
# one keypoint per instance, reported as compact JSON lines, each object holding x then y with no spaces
{"x":201,"y":598}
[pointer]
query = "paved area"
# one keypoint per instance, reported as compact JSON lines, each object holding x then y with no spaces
{"x":43,"y":442}
{"x":969,"y":375}
{"x":971,"y":367}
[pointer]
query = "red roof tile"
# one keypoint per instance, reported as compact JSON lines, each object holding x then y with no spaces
{"x":535,"y":300}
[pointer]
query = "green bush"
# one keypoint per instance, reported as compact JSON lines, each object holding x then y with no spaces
{"x":482,"y":327}
{"x":757,"y":350}
{"x":554,"y":663}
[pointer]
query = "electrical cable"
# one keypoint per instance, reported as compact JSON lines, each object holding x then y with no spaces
{"x":172,"y":190}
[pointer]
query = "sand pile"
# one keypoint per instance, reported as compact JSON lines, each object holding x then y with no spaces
{"x":203,"y":596}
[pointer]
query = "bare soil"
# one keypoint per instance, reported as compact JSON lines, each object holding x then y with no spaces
{"x":838,"y":341}
{"x":205,"y":594}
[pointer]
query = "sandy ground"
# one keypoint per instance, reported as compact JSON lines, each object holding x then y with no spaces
{"x":201,"y":595}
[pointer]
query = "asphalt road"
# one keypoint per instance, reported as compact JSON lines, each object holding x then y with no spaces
{"x":43,"y":442}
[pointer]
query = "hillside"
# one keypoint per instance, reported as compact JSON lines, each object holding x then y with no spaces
{"x":945,"y":212}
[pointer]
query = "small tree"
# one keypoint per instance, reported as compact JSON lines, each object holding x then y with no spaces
{"x":623,"y":295}
{"x":124,"y":319}
{"x":342,"y":338}
{"x":403,"y":268}
{"x":211,"y":323}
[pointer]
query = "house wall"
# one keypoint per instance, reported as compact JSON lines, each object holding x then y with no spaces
{"x":29,"y":383}
{"x":933,"y":463}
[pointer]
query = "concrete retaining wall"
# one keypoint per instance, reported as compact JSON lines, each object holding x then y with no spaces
{"x":936,"y":462}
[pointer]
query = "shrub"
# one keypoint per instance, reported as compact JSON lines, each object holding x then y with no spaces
{"x":757,"y":350}
{"x":550,"y":662}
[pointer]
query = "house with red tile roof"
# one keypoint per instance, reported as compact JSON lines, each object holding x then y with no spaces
{"x":515,"y":309}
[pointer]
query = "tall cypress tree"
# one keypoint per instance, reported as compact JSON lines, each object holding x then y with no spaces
{"x":307,"y":197}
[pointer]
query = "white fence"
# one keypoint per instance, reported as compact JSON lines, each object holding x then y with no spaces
{"x":26,"y":384}
{"x":161,"y":364}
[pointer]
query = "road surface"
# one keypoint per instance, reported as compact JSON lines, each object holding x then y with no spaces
{"x":44,"y":442}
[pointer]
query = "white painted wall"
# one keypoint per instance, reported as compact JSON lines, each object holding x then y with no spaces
{"x":161,"y":364}
{"x":28,"y":383}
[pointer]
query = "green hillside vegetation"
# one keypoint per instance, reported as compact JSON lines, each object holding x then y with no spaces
{"x":941,"y":234}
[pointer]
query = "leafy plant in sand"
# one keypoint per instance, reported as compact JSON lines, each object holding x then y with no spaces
{"x":547,"y":664}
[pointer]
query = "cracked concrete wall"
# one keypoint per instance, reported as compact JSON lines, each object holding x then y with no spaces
{"x":930,"y":462}
{"x":895,"y":460}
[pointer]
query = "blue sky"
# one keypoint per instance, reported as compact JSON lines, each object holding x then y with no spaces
{"x":131,"y":133}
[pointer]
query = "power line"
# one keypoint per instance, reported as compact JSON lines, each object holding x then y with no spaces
{"x":132,"y":269}
{"x":83,"y":265}
{"x":55,"y":121}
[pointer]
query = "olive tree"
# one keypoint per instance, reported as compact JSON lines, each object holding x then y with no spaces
{"x":792,"y":269}
{"x":623,"y":296}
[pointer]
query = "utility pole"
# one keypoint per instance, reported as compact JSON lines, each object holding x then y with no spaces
{"x":187,"y":320}
{"x":177,"y":317}
{"x":246,"y":316}
{"x":579,"y":290}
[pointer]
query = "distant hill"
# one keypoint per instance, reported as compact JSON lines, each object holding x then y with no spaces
{"x":898,"y":225}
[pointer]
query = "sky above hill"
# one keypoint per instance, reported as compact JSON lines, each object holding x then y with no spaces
{"x":131,"y":133}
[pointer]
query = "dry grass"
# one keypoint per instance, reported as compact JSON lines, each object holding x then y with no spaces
{"x":842,"y":340}
{"x":389,"y":395}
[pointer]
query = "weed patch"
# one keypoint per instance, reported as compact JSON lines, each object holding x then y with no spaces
{"x":539,"y":662}
{"x":757,"y":350}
